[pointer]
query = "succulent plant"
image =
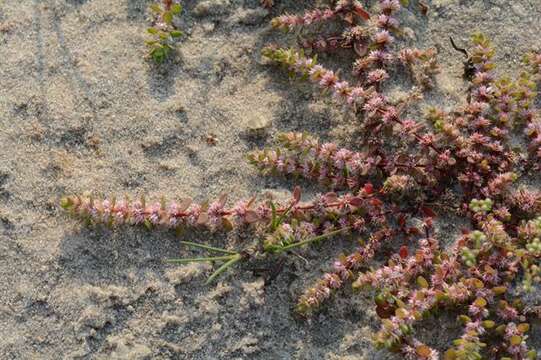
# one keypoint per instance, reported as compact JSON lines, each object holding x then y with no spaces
{"x":383,"y":193}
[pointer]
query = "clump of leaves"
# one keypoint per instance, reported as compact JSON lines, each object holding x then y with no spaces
{"x":163,"y":31}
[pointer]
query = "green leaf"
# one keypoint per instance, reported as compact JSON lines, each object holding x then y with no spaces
{"x":148,"y":224}
{"x":201,"y":259}
{"x":308,"y":241}
{"x":515,"y":340}
{"x":156,"y":8}
{"x":152,"y":31}
{"x":176,"y":33}
{"x":167,"y":17}
{"x":176,"y":9}
{"x":282,"y":217}
{"x":405,"y":3}
{"x":421,"y":281}
{"x":273,"y":221}
{"x":158,"y":54}
{"x":223,"y":268}
{"x":66,"y":202}
{"x":206,"y":247}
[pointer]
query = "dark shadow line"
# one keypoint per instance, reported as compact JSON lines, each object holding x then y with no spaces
{"x":77,"y":79}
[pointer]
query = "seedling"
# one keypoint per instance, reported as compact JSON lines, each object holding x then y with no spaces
{"x":163,"y":31}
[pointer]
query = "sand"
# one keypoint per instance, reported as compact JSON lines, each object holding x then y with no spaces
{"x":81,"y":109}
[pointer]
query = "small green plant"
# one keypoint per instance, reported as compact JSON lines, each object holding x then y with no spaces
{"x":163,"y":31}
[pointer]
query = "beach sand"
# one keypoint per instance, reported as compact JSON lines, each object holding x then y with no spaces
{"x":82,"y":109}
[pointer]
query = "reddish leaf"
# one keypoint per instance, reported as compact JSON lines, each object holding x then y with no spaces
{"x":360,"y":49}
{"x":402,"y":220}
{"x":203,"y":218}
{"x":368,"y":188}
{"x":297,"y":194}
{"x":403,"y":252}
{"x":349,"y":18}
{"x":413,"y":231}
{"x":376,"y":202}
{"x":362,"y":12}
{"x":331,"y":197}
{"x":222,"y":200}
{"x":428,"y":212}
{"x":385,"y":311}
{"x":184,"y":204}
{"x":251,"y":216}
{"x":356,"y":201}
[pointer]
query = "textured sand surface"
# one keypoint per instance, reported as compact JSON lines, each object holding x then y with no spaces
{"x":81,"y":109}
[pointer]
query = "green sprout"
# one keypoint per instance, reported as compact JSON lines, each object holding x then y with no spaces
{"x":164,"y":32}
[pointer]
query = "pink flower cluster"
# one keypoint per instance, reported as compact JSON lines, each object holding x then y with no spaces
{"x":375,"y":106}
{"x":312,"y":298}
{"x":515,"y":342}
{"x":335,"y":167}
{"x":533,"y":131}
{"x":401,"y":270}
{"x":396,"y":331}
{"x":328,"y":211}
{"x":172,"y":215}
{"x":290,"y":22}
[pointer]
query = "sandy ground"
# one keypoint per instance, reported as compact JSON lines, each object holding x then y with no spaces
{"x":81,"y":109}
